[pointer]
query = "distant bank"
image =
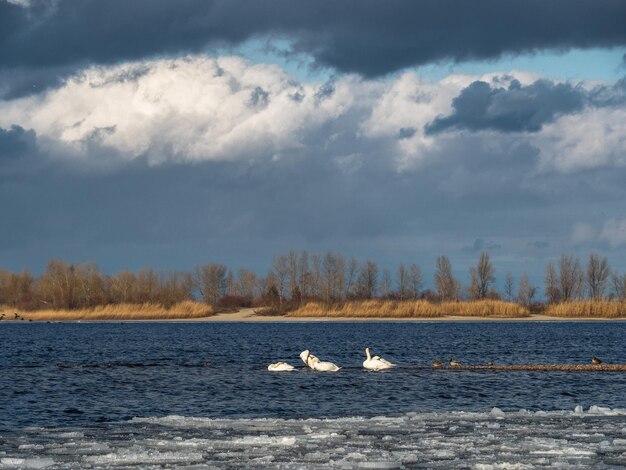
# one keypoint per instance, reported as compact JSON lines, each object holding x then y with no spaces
{"x":364,"y":310}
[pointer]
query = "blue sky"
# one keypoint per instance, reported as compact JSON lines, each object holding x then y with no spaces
{"x":170,"y":134}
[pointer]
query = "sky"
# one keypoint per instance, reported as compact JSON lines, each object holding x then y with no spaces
{"x":170,"y":134}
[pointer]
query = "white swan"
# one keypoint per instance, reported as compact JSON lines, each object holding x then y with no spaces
{"x":376,"y":362}
{"x":306,"y":357}
{"x":280,"y":366}
{"x":322,"y":366}
{"x":314,"y":363}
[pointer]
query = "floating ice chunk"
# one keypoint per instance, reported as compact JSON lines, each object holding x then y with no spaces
{"x":11,"y":462}
{"x":380,"y":464}
{"x":497,"y":412}
{"x":599,"y":410}
{"x":288,"y":441}
{"x":26,"y":463}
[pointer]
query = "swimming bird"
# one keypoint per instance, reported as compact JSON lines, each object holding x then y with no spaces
{"x":454,"y":363}
{"x":490,"y":364}
{"x":376,"y":362}
{"x":314,"y":363}
{"x":437,"y":364}
{"x":306,"y":357}
{"x":280,"y":366}
{"x":597,"y":361}
{"x":323,"y":366}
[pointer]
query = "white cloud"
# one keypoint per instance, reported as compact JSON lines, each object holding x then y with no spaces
{"x":593,"y":138}
{"x":187,"y":109}
{"x":22,"y":3}
{"x":198,"y":108}
{"x":614,"y":232}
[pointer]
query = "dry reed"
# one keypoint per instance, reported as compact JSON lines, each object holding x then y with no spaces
{"x":588,"y":309}
{"x":147,"y":311}
{"x":412,"y":309}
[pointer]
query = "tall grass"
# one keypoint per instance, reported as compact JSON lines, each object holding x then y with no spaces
{"x":411,"y":309}
{"x":588,"y":309}
{"x":181,"y":310}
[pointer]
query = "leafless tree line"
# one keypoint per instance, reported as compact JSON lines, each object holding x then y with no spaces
{"x":298,"y":277}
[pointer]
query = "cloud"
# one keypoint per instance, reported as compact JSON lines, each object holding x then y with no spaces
{"x":16,"y":141}
{"x":593,"y":138}
{"x":517,"y":108}
{"x":188,"y":109}
{"x":198,"y":108}
{"x":582,"y":233}
{"x":481,"y":245}
{"x":363,"y":36}
{"x":614,"y":232}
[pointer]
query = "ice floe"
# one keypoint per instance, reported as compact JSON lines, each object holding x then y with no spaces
{"x":495,"y":439}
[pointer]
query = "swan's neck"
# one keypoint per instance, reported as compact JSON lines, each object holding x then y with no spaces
{"x":367,"y":353}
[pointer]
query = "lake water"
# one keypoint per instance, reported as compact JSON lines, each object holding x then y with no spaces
{"x":106,"y":395}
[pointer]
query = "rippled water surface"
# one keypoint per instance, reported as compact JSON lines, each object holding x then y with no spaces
{"x":123,"y":386}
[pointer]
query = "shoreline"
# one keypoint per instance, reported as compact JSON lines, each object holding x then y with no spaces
{"x":248,"y":316}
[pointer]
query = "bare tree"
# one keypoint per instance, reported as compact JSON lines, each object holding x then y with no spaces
{"x":146,"y":285}
{"x":245,"y":283}
{"x":351,"y":278}
{"x":526,"y":291}
{"x":570,"y":278}
{"x":368,"y":280}
{"x":597,"y":276}
{"x":292,"y":273}
{"x":316,"y":276}
{"x":402,"y":282}
{"x":123,"y":287}
{"x":210,"y":280}
{"x":618,"y":289}
{"x":445,"y":283}
{"x":16,"y":289}
{"x":280,"y":272}
{"x":481,"y":277}
{"x":552,"y":290}
{"x":304,"y":276}
{"x":330,"y":276}
{"x":385,"y":284}
{"x":91,"y":286}
{"x":416,"y":281}
{"x":509,"y":286}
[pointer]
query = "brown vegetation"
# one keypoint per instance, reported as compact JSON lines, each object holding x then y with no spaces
{"x":412,"y":309}
{"x":325,"y":285}
{"x":147,"y":311}
{"x":588,"y":309}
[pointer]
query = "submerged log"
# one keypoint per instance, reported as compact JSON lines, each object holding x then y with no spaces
{"x":540,"y":368}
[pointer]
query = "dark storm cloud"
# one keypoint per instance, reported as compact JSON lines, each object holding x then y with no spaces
{"x":243,"y":213}
{"x":514,"y":109}
{"x":365,"y":36}
{"x":16,"y":141}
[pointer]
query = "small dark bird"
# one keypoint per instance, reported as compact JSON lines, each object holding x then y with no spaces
{"x":437,"y":364}
{"x":454,"y":363}
{"x":16,"y":315}
{"x":597,"y":361}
